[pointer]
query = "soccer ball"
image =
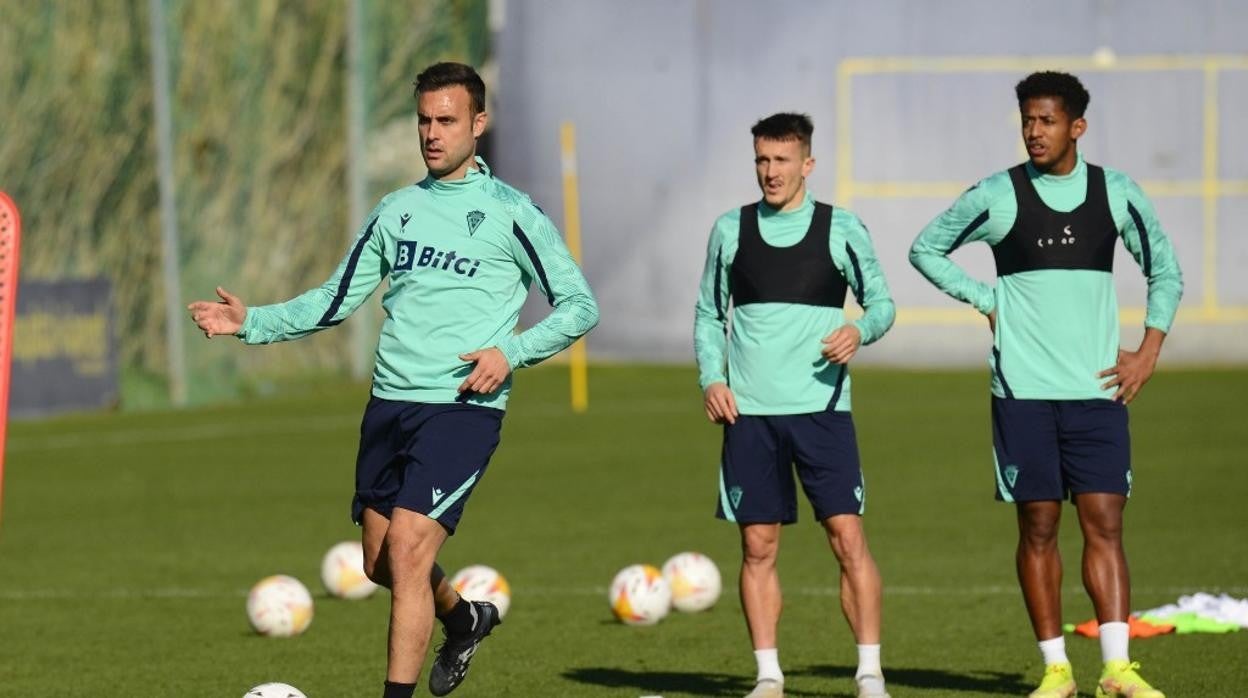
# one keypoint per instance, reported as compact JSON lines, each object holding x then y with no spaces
{"x":639,"y":595}
{"x":483,"y":583}
{"x":274,"y":690}
{"x":694,"y":579}
{"x":342,"y":571}
{"x":279,"y":606}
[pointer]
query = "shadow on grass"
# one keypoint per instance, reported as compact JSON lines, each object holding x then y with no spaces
{"x":997,"y":682}
{"x":717,"y":685}
{"x":662,"y":682}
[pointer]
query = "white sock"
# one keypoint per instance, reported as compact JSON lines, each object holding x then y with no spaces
{"x":1054,"y":650}
{"x":869,"y":661}
{"x":768,"y":664}
{"x":1114,"y":641}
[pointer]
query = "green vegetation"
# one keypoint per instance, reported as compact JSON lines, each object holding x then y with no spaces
{"x":259,"y":137}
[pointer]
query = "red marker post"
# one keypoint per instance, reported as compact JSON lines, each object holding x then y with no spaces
{"x":10,"y":244}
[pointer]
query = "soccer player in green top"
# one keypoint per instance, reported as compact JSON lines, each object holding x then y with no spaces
{"x":1060,"y":381}
{"x":780,"y":385}
{"x":459,"y":251}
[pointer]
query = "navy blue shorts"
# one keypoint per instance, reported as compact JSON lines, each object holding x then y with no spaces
{"x":756,"y":470}
{"x":1054,"y":449}
{"x":422,"y":457}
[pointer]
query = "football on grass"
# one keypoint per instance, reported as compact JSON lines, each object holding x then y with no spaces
{"x":342,"y":571}
{"x":274,"y":690}
{"x":639,"y":595}
{"x":279,"y":606}
{"x":483,"y":583}
{"x":695,"y":581}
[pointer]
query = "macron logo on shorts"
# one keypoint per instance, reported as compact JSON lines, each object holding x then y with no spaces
{"x":437,"y":495}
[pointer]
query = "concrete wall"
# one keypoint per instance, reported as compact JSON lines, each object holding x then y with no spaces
{"x":663,"y":93}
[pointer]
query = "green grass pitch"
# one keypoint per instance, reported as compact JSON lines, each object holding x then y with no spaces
{"x":128,"y":543}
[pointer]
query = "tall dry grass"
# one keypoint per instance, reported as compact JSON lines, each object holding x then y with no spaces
{"x":260,"y":151}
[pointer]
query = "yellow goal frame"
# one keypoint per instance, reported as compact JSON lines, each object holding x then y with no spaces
{"x":1208,"y":188}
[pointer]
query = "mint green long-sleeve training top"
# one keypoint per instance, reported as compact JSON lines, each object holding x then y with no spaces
{"x":1056,"y":329}
{"x":460,"y":257}
{"x":772,"y":361}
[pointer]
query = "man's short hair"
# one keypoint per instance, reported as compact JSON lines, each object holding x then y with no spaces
{"x":785,"y":126}
{"x":442,"y":75}
{"x":1063,"y":86}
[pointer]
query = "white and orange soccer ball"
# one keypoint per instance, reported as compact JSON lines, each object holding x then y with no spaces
{"x":342,"y":571}
{"x":483,"y":583}
{"x":695,"y":581}
{"x":640,"y":595}
{"x":274,"y":690}
{"x":279,"y":606}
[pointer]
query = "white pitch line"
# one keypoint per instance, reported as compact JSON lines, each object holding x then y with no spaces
{"x":348,"y":422}
{"x":197,"y":432}
{"x":122,"y":594}
{"x":191,"y":593}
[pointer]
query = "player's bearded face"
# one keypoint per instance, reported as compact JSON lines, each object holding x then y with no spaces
{"x":1049,"y":134}
{"x":448,"y":131}
{"x":782,"y":167}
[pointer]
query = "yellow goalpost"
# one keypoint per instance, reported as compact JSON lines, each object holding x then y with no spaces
{"x":1210,"y":188}
{"x":577,"y":359}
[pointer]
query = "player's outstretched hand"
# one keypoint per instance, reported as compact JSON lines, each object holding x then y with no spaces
{"x":219,"y":317}
{"x":1129,"y":375}
{"x":840,"y":346}
{"x":721,"y":406}
{"x":489,"y":373}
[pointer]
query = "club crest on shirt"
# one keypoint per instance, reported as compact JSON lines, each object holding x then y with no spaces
{"x":475,"y":219}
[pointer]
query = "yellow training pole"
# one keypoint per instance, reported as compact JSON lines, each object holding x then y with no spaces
{"x":572,"y":232}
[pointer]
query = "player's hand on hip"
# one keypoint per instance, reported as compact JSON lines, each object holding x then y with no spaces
{"x":840,"y":346}
{"x":721,"y":406}
{"x":1129,"y":375}
{"x":219,"y":317}
{"x":489,"y":373}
